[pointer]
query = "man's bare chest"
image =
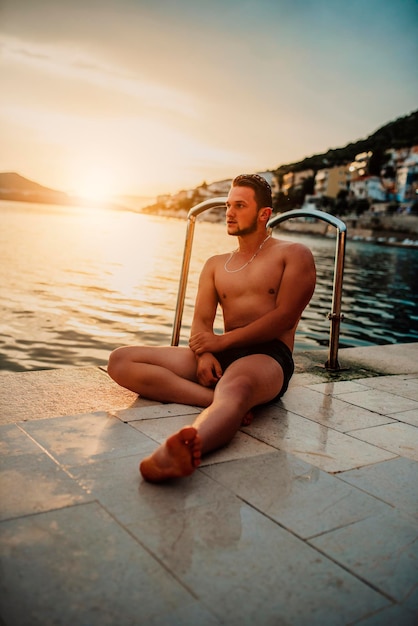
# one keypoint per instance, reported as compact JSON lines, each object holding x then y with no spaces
{"x":250,"y":282}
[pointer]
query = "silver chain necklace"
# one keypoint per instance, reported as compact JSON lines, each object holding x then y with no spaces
{"x":248,"y":262}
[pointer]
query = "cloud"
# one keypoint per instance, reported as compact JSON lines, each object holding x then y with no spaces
{"x":77,"y":65}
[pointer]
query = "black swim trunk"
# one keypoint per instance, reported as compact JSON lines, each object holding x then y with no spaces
{"x":274,"y":348}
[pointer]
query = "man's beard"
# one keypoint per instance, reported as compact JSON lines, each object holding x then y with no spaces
{"x":245,"y":231}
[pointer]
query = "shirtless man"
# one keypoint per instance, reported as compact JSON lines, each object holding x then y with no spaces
{"x":263,"y":288}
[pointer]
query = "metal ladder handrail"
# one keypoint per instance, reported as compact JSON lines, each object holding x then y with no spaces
{"x":211,"y":203}
{"x":335,"y":316}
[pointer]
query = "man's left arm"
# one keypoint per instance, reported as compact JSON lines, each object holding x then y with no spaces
{"x":296,"y":289}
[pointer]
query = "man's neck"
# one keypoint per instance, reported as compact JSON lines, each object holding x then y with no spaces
{"x":249,"y":243}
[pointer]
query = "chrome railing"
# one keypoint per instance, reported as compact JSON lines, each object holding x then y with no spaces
{"x":335,"y":316}
{"x":212,"y":203}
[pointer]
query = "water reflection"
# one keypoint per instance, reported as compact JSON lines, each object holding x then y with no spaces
{"x":380,"y":295}
{"x":186,"y":537}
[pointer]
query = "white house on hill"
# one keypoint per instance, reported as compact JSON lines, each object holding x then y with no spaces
{"x":368,"y":188}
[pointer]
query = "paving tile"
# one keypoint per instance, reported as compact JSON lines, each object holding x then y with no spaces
{"x":156,"y":410}
{"x":30,"y":481}
{"x":249,"y":570}
{"x":80,"y":439}
{"x":399,"y":438}
{"x":241,"y":446}
{"x":394,"y":481}
{"x":388,"y":359}
{"x":393,"y":616}
{"x":14,"y":441}
{"x":405,"y":386}
{"x":382,"y":550}
{"x":67,"y":391}
{"x":330,"y":411}
{"x":411,"y":602}
{"x":407,"y":417}
{"x":379,"y":401}
{"x":117,"y":484}
{"x":78,"y":566}
{"x":285,"y":488}
{"x":159,"y":429}
{"x":323,"y":447}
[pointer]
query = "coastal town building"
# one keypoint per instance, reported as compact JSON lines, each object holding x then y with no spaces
{"x":295,"y":180}
{"x":331,"y":180}
{"x":407,"y":177}
{"x":398,"y":180}
{"x":368,"y":188}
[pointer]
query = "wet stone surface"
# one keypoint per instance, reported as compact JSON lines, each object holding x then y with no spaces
{"x":310,"y":516}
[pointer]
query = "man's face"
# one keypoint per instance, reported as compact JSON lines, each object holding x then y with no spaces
{"x":241,"y":211}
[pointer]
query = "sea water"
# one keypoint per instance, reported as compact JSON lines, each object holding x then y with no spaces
{"x":76,"y":282}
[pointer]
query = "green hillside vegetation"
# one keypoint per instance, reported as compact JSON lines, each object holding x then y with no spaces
{"x":401,"y":133}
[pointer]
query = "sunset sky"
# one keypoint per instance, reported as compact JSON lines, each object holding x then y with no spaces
{"x":151,"y":96}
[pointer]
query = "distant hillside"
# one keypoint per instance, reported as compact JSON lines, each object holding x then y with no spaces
{"x":16,"y":187}
{"x":401,"y":133}
{"x":14,"y":182}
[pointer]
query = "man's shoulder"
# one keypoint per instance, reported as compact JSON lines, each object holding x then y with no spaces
{"x":215,"y":260}
{"x":285,"y":246}
{"x":294,"y":254}
{"x":218,"y":258}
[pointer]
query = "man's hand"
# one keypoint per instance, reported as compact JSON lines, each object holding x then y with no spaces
{"x":209,"y":370}
{"x":206,"y":341}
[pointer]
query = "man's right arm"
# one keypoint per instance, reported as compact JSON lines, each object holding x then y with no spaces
{"x":206,"y":300}
{"x":208,"y":369}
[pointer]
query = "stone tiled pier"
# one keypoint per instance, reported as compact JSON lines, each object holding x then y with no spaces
{"x":309,"y":517}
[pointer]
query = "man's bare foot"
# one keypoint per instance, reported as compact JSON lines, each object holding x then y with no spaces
{"x":247,"y":419}
{"x":178,"y":456}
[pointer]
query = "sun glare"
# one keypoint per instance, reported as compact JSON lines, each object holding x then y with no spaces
{"x":93,"y":194}
{"x":94,"y":187}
